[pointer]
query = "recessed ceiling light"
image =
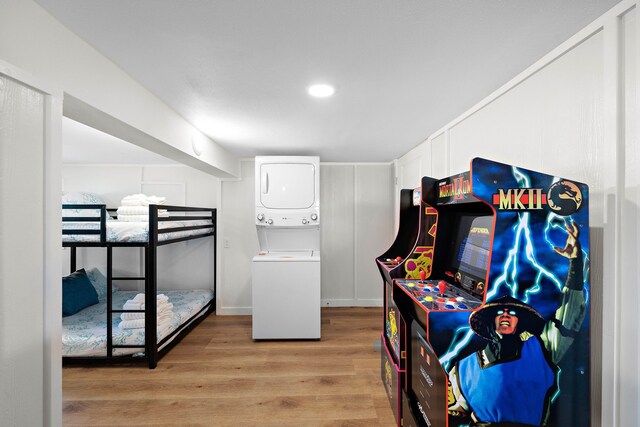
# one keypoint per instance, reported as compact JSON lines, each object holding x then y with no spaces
{"x":321,"y":90}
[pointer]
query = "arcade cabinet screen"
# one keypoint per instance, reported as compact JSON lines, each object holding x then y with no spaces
{"x":472,"y":245}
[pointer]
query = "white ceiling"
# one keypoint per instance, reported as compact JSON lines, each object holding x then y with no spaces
{"x":238,"y":69}
{"x":85,"y":145}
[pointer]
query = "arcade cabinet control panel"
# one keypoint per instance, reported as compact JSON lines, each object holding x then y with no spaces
{"x":439,"y":295}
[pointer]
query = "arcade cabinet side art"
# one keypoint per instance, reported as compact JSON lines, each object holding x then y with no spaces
{"x":523,"y":356}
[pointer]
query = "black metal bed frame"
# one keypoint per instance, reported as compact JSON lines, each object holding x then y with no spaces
{"x":153,"y":350}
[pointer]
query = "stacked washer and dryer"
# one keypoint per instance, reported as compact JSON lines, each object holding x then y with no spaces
{"x":286,"y":272}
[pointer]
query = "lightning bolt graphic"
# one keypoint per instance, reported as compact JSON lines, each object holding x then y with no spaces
{"x":522,"y":233}
{"x":522,"y":243}
{"x":461,"y":338}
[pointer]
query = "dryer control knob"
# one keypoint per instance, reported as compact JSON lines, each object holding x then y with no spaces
{"x":269,"y":221}
{"x":314,"y":217}
{"x":304,"y":220}
{"x":260,"y":217}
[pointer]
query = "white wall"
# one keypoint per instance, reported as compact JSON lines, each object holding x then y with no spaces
{"x":30,"y":369}
{"x":356,"y":205}
{"x":21,"y":234}
{"x":573,"y":114}
{"x":183,"y":265}
{"x":628,"y":295}
{"x":98,"y":93}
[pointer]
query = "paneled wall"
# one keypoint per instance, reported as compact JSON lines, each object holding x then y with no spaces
{"x":357,"y":226}
{"x":573,"y":114}
{"x":184,"y":265}
{"x":356,"y":211}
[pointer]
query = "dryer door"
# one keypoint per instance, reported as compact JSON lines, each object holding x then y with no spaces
{"x":287,"y":185}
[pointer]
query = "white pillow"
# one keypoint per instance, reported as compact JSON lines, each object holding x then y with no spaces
{"x":99,"y":282}
{"x":81,"y":198}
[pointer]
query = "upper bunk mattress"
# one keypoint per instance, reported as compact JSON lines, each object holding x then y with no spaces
{"x":128,"y":231}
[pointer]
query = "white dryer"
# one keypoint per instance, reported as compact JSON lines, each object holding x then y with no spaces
{"x":286,"y":272}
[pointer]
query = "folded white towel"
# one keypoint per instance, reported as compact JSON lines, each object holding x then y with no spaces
{"x":132,"y":210}
{"x":163,"y":307}
{"x":164,"y":323}
{"x":141,"y":200}
{"x":164,"y":317}
{"x":134,"y":305}
{"x":162,"y":310}
{"x":139,"y":323}
{"x":133,"y":218}
{"x":132,"y":324}
{"x":131,"y":316}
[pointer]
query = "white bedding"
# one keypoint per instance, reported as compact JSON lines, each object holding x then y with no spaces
{"x":128,"y":231}
{"x":84,"y":333}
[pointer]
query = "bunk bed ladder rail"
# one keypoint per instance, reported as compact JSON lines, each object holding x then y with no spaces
{"x":214,"y":219}
{"x":111,"y":311}
{"x":150,"y":289}
{"x":109,"y":302}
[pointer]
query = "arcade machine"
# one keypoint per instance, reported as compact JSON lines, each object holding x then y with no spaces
{"x":410,"y":256}
{"x":498,"y":332}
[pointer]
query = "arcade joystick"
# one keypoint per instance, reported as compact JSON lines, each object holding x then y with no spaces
{"x":398,"y":259}
{"x":423,"y":275}
{"x":442,"y":286}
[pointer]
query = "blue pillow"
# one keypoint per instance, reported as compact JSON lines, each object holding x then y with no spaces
{"x":77,"y":293}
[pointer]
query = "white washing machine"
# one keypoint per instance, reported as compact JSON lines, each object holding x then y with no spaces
{"x":286,"y":272}
{"x":286,"y":295}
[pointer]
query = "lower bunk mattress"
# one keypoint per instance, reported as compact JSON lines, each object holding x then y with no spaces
{"x":84,"y":334}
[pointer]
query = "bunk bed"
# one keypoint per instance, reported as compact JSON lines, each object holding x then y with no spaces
{"x":93,"y":335}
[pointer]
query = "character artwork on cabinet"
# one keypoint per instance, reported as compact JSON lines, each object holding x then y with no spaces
{"x":418,"y":265}
{"x":522,"y":358}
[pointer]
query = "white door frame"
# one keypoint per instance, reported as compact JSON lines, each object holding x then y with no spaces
{"x":52,"y":345}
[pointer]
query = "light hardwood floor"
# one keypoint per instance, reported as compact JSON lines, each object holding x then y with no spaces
{"x":218,"y":376}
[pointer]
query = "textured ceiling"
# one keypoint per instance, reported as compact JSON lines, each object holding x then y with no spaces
{"x":238,"y":70}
